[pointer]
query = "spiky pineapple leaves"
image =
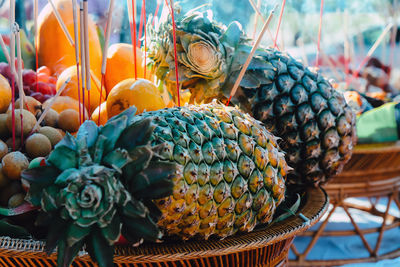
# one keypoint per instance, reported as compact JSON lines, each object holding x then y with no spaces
{"x":100,"y":184}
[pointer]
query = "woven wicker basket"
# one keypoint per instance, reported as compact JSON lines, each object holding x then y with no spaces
{"x":372,"y":172}
{"x":262,"y":247}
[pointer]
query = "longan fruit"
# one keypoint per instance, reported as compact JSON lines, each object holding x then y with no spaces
{"x":52,"y":134}
{"x":37,"y":145}
{"x":28,"y":121}
{"x":68,"y":120}
{"x":13,"y":164}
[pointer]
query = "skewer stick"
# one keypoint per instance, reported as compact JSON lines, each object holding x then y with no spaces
{"x":394,"y":34}
{"x":372,"y":49}
{"x":87,"y":54}
{"x":175,"y":51}
{"x":12,"y":66}
{"x":107,"y":37}
{"x":142,"y":16}
{"x":19,"y":79}
{"x":105,"y":51}
{"x":36,"y":36}
{"x":76,"y":37}
{"x":319,"y":33}
{"x":145,"y":39}
{"x":256,"y":20}
{"x":258,"y":11}
{"x":61,"y":22}
{"x":331,"y":66}
{"x":82,"y":58}
{"x":132,"y":24}
{"x":279,"y":22}
{"x":346,"y":46}
{"x":156,"y":12}
{"x":50,"y":104}
{"x":250,"y":57}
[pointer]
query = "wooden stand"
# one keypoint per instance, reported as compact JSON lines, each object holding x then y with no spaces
{"x":373,"y":172}
{"x":265,"y":246}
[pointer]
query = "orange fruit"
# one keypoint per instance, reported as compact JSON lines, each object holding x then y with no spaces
{"x":71,"y":89}
{"x":62,"y":103}
{"x":130,"y":92}
{"x":120,"y":65}
{"x":103,"y":114}
{"x":5,"y":94}
{"x":54,"y":49}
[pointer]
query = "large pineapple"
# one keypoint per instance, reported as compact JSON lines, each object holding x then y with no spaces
{"x":196,"y":170}
{"x":231,"y":172}
{"x":316,"y":125}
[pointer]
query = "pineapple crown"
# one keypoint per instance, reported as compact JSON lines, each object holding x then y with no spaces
{"x":99,"y":185}
{"x":207,"y":52}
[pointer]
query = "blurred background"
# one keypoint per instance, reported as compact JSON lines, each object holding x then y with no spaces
{"x":350,"y":27}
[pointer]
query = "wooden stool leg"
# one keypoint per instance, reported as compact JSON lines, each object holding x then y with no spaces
{"x":378,"y":243}
{"x":358,"y":230}
{"x":317,"y":235}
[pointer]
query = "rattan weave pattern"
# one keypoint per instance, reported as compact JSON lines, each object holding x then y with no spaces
{"x":262,"y":247}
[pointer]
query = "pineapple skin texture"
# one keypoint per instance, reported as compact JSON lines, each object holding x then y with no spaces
{"x":313,"y":120}
{"x":231,"y":173}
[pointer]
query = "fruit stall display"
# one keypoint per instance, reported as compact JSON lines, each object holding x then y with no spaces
{"x":372,"y":173}
{"x":199,"y":135}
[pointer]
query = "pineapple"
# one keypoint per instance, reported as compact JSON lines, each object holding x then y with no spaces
{"x":231,"y":172}
{"x":190,"y":171}
{"x":316,"y":126}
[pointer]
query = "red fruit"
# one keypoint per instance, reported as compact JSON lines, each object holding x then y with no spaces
{"x":122,"y":240}
{"x":43,"y":77}
{"x":5,"y":70}
{"x":44,"y":70}
{"x":53,"y":88}
{"x":44,"y":88}
{"x":52,"y":80}
{"x":45,"y":97}
{"x":27,"y":90}
{"x":29,"y":77}
{"x":38,"y":96}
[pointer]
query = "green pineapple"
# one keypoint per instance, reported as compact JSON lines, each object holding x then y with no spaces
{"x":298,"y":105}
{"x":231,"y":172}
{"x":189,"y":171}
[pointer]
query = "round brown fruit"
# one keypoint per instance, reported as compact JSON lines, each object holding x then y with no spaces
{"x":37,"y":145}
{"x":33,"y":105}
{"x":16,"y":200}
{"x":3,"y":149}
{"x":28,"y":121}
{"x":52,"y":134}
{"x":4,"y":181}
{"x":9,"y":142}
{"x":14,"y":163}
{"x":50,"y":119}
{"x":69,"y":120}
{"x":3,"y":127}
{"x":6,"y":193}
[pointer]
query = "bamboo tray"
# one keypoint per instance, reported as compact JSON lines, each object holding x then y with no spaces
{"x":373,"y":172}
{"x":262,"y":247}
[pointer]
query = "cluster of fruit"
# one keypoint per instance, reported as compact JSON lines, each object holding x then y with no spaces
{"x":40,"y":85}
{"x":30,"y":146}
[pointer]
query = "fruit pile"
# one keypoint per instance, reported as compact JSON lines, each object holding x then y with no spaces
{"x":39,"y":85}
{"x":149,"y":171}
{"x":30,"y":146}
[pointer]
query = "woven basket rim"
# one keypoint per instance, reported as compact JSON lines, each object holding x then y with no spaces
{"x":377,"y":148}
{"x":315,"y":206}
